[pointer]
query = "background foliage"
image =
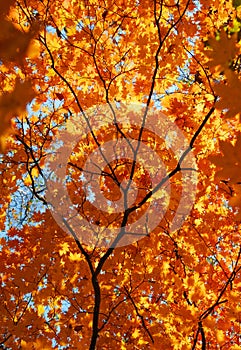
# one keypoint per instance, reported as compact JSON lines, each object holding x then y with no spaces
{"x":170,"y":290}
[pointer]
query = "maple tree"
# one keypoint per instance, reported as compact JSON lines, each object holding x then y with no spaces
{"x":67,"y":68}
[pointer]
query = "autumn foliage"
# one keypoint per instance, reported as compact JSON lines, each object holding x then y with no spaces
{"x":168,"y":288}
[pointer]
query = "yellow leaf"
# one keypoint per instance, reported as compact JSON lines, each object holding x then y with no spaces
{"x":142,"y":342}
{"x":33,"y":49}
{"x":165,"y":267}
{"x":75,"y":257}
{"x":220,"y":335}
{"x":40,"y":309}
{"x":28,"y":180}
{"x":35,"y":172}
{"x":64,"y":248}
{"x":136,"y":333}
